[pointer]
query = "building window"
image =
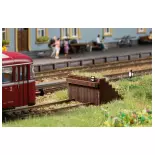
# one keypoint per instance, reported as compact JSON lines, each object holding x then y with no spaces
{"x":107,"y":32}
{"x":74,"y":32}
{"x":5,"y":36}
{"x":41,"y":32}
{"x":32,"y":74}
{"x":3,"y":33}
{"x":141,"y":30}
{"x":66,"y":32}
{"x":71,"y":33}
{"x":42,"y":35}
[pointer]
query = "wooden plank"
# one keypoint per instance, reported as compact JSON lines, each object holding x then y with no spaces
{"x":83,"y":83}
{"x":79,"y":44}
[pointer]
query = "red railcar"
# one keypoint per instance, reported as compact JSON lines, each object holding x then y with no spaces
{"x":18,"y":84}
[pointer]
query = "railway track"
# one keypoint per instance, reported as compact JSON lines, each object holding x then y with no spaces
{"x":48,"y":108}
{"x":50,"y":87}
{"x":54,"y":85}
{"x":40,"y":110}
{"x":110,"y":66}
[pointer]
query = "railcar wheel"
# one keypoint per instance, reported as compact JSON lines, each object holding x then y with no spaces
{"x":31,"y":104}
{"x":4,"y":118}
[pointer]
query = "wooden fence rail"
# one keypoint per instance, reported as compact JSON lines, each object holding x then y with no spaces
{"x":68,"y":63}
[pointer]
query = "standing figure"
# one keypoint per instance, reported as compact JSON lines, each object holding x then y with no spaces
{"x":52,"y":45}
{"x":66,"y":47}
{"x":130,"y":73}
{"x":57,"y":48}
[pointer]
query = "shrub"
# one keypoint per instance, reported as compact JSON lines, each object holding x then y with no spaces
{"x":43,"y":39}
{"x":128,"y":118}
{"x":5,"y":42}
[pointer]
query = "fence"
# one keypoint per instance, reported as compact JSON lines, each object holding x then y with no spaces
{"x":93,"y":61}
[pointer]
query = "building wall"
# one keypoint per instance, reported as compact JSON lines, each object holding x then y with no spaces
{"x":120,"y":32}
{"x":89,"y":34}
{"x":11,"y":46}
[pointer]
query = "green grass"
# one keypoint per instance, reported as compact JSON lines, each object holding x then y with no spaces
{"x":57,"y":96}
{"x":137,"y":94}
{"x":88,"y":74}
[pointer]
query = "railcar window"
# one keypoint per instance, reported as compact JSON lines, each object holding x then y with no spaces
{"x":16,"y":77}
{"x":21,"y":73}
{"x":25,"y":73}
{"x":7,"y":75}
{"x":31,"y":72}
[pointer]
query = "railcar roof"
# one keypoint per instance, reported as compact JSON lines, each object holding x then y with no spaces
{"x":10,"y":58}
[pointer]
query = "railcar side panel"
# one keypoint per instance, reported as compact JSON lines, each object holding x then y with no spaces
{"x":17,"y":80}
{"x":8,"y":98}
{"x":32,"y":94}
{"x":31,"y":85}
{"x":8,"y":88}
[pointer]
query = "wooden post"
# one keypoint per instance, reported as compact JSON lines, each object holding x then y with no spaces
{"x":140,"y":55}
{"x":67,"y":64}
{"x":53,"y":66}
{"x":105,"y":59}
{"x":117,"y":58}
{"x":80,"y":62}
{"x":39,"y":68}
{"x":93,"y":61}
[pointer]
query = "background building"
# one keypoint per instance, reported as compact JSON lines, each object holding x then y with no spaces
{"x":31,"y":40}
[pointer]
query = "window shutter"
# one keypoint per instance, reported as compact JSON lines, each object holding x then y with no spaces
{"x":7,"y":34}
{"x":46,"y":32}
{"x":144,"y":30}
{"x":36,"y":34}
{"x":79,"y":33}
{"x":61,"y":33}
{"x":105,"y":30}
{"x":138,"y":30}
{"x":16,"y":39}
{"x":70,"y":33}
{"x":110,"y":31}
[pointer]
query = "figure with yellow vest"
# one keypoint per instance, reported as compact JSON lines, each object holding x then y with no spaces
{"x":4,"y":48}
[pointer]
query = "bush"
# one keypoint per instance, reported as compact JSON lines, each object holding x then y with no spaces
{"x":128,"y":118}
{"x":42,"y":39}
{"x":5,"y":42}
